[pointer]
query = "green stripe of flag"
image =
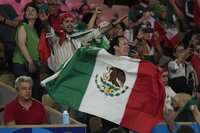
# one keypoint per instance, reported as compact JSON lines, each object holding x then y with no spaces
{"x":77,"y":74}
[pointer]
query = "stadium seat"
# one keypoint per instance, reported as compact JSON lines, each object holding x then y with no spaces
{"x":74,"y":5}
{"x":7,"y":78}
{"x":119,"y":8}
{"x":24,"y":2}
{"x":93,"y":6}
{"x":48,"y":101}
{"x":95,"y":2}
{"x":73,"y":1}
{"x":64,"y":8}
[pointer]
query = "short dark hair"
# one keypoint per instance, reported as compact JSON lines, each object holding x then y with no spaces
{"x":114,"y":42}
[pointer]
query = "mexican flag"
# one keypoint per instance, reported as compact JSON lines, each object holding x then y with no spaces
{"x":120,"y":89}
{"x":153,"y":23}
{"x":173,"y":37}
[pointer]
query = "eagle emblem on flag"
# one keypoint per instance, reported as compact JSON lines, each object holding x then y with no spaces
{"x":111,"y":83}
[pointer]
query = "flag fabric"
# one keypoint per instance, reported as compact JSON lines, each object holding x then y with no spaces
{"x":152,"y":23}
{"x":196,"y":12}
{"x":43,"y":48}
{"x":120,"y":89}
{"x":172,"y":37}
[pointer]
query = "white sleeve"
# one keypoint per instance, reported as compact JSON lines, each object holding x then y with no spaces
{"x":51,"y":36}
{"x":171,"y":92}
{"x":173,"y":65}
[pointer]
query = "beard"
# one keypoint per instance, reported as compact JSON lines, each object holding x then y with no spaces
{"x":145,"y":1}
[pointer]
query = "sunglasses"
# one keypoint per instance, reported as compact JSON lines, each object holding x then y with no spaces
{"x":180,"y":49}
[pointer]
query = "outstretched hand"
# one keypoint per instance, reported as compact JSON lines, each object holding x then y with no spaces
{"x":119,"y":20}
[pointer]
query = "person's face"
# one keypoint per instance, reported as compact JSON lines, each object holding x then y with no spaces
{"x":117,"y":31}
{"x":68,"y":25}
{"x":31,"y":13}
{"x":194,"y":39}
{"x":123,"y":48}
{"x":165,"y":76}
{"x":53,"y":7}
{"x":25,"y":91}
{"x":147,"y":36}
{"x":179,"y":51}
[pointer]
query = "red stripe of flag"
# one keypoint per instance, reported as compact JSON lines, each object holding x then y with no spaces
{"x":44,"y":48}
{"x":145,"y":105}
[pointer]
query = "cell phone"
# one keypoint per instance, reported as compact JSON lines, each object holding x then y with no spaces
{"x":133,"y":48}
{"x":191,"y":47}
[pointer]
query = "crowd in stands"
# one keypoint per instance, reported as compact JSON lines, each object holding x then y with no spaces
{"x":43,"y":34}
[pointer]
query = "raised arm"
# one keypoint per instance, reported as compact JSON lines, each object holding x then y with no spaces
{"x":140,"y":20}
{"x":91,"y":23}
{"x":110,"y":26}
{"x":14,"y":21}
{"x":178,"y":12}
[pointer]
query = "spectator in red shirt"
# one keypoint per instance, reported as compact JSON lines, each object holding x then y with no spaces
{"x":24,"y":110}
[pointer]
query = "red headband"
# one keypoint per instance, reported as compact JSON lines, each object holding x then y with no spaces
{"x":66,"y":15}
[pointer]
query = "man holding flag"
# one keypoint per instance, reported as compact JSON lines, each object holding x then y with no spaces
{"x":117,"y":88}
{"x":63,"y":46}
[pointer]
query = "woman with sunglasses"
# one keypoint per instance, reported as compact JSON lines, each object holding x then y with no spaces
{"x":179,"y":70}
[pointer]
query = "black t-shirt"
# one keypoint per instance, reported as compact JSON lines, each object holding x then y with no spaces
{"x":7,"y":33}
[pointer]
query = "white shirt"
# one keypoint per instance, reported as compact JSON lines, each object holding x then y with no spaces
{"x":169,"y":95}
{"x":63,"y":52}
{"x":175,"y":70}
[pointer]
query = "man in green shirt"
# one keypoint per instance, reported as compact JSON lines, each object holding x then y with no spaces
{"x":139,"y":14}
